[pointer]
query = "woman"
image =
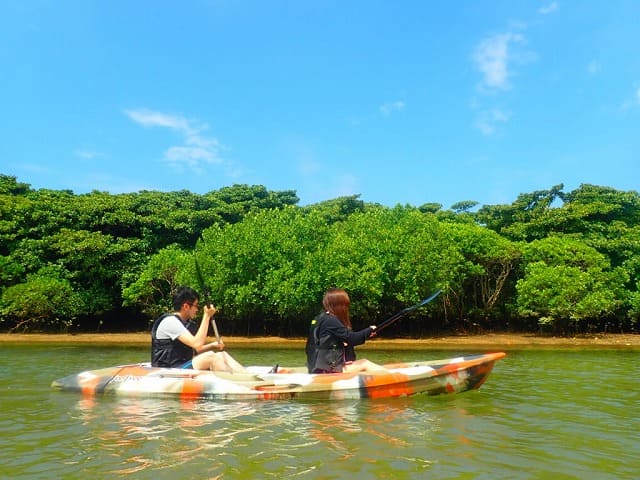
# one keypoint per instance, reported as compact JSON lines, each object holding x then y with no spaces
{"x":331,"y":339}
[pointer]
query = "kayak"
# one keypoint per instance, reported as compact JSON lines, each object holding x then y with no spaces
{"x":452,"y":375}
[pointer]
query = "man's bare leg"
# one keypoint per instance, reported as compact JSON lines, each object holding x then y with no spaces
{"x":217,"y":362}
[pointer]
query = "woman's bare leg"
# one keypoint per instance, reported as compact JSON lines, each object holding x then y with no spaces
{"x":363,"y":365}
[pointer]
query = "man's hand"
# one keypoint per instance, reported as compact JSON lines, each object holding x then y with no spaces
{"x":210,"y":311}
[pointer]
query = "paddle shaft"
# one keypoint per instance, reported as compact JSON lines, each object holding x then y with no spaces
{"x":215,"y":329}
{"x":205,"y":294}
{"x":394,"y":318}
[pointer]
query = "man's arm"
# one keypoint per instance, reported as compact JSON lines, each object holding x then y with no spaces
{"x":198,"y":341}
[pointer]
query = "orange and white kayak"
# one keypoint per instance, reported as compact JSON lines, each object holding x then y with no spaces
{"x":452,"y":375}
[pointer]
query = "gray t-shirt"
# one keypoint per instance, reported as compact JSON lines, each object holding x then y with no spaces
{"x":170,"y":327}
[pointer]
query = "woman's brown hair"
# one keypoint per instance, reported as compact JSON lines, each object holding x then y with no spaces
{"x":336,"y":302}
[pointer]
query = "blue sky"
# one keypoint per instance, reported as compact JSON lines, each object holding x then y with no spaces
{"x":404,"y":102}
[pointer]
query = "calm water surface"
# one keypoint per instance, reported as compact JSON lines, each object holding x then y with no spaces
{"x":542,"y":414}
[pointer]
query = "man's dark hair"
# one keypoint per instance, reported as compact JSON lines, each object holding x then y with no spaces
{"x":182,"y":295}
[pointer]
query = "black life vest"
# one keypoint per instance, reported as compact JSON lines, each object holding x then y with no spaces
{"x":325,"y":353}
{"x":310,"y":347}
{"x":166,"y":352}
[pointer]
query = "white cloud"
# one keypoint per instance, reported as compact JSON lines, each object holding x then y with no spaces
{"x":492,"y":56}
{"x":235,"y":171}
{"x":33,"y":168}
{"x":304,"y":156}
{"x":88,"y":154}
{"x":488,"y":120}
{"x":632,"y":101}
{"x":149,"y":118}
{"x":308,"y":167}
{"x":594,"y":67}
{"x":197,"y":149}
{"x":390,"y":107}
{"x":190,"y":156}
{"x":552,"y":7}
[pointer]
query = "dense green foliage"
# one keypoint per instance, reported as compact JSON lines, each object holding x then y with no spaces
{"x":562,"y":262}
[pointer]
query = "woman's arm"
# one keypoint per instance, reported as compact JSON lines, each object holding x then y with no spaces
{"x":348,"y":336}
{"x":359,"y":337}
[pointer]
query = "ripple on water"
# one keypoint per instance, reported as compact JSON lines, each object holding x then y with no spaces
{"x":541,"y":414}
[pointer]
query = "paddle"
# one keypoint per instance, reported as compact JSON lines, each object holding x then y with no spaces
{"x":394,"y":318}
{"x":205,"y":295}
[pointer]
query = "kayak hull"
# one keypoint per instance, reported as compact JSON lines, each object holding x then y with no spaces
{"x":453,"y":375}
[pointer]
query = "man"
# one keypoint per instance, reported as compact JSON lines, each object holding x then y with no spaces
{"x":173,"y":345}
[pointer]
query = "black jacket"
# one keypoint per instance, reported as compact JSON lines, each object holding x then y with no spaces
{"x":330,"y":344}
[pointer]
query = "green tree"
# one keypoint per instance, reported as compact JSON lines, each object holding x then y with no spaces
{"x":430,"y":207}
{"x":236,"y":201}
{"x":567,"y":283}
{"x":517,"y":220}
{"x":45,"y":300}
{"x":338,"y":209}
{"x":464,"y":206}
{"x":269,"y":261}
{"x":257,"y":268}
{"x":153,"y":287}
{"x":480,"y":270}
{"x":9,"y":185}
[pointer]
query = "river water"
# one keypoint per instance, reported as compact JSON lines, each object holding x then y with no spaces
{"x":542,"y":414}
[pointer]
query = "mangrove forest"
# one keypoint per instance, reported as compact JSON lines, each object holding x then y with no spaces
{"x":550,"y":261}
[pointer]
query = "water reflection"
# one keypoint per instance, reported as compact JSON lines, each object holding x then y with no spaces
{"x":272,"y":437}
{"x":151,"y":433}
{"x":541,"y":415}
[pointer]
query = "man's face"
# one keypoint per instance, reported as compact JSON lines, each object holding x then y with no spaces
{"x":192,"y":309}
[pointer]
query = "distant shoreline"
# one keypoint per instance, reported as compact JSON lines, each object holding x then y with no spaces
{"x":491,"y":341}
